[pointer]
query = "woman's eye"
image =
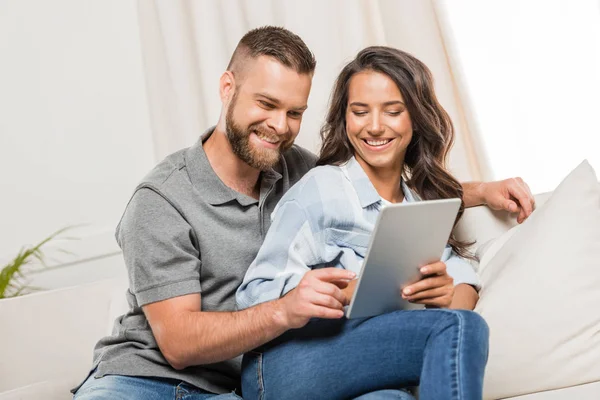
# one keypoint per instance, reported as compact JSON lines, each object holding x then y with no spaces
{"x":394,"y":113}
{"x":359,"y":113}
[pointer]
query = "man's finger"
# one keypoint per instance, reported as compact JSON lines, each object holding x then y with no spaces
{"x":522,"y":197}
{"x":323,"y":300}
{"x":324,"y":312}
{"x":329,"y":289}
{"x":532,"y":198}
{"x":529,"y":195}
{"x":343,"y":284}
{"x":522,"y":216}
{"x":332,"y":274}
{"x":511,"y":206}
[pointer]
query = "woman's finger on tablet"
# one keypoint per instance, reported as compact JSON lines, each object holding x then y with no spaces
{"x":437,"y":302}
{"x":442,"y":294}
{"x":431,"y":282}
{"x":436,"y":268}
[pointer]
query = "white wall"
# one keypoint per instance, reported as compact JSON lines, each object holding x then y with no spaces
{"x":531,"y":70}
{"x":75,"y":132}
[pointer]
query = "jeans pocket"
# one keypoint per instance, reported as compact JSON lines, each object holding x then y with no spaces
{"x":252,"y":376}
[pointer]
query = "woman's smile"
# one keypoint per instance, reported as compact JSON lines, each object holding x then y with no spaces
{"x":377,"y":144}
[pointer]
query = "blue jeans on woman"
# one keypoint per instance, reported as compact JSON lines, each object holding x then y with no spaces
{"x":443,"y":351}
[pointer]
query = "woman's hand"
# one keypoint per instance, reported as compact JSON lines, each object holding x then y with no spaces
{"x":436,"y":289}
{"x":465,"y":297}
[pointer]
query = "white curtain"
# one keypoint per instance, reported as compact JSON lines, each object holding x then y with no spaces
{"x":187,"y":44}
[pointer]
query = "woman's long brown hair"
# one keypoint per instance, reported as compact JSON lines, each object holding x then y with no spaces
{"x":425,"y":169}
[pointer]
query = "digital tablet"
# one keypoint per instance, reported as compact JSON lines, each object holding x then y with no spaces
{"x":406,"y":237}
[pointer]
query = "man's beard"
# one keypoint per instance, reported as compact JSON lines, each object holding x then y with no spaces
{"x":260,"y":158}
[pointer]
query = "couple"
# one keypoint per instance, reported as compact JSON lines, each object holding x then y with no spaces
{"x":199,"y":219}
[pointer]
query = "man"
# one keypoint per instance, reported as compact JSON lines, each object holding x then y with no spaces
{"x":196,"y":222}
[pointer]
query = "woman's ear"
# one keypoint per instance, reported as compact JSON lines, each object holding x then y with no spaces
{"x":226,"y":86}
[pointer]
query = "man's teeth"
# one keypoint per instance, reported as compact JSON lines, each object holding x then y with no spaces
{"x":267,"y":138}
{"x":377,"y":142}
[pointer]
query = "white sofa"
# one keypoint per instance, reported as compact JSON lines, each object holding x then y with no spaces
{"x":47,"y":338}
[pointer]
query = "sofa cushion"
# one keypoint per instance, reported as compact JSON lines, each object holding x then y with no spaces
{"x":52,"y":333}
{"x":540,"y":294}
{"x":589,"y":391}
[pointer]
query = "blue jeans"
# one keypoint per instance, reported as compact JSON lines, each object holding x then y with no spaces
{"x":442,"y":351}
{"x":118,"y":387}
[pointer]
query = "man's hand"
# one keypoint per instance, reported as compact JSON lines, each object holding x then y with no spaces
{"x":349,"y":291}
{"x":318,"y":295}
{"x":436,"y":289}
{"x":512,"y":195}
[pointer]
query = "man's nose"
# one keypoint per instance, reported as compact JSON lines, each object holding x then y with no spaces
{"x":278,"y":122}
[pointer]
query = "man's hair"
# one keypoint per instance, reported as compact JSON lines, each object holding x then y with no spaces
{"x":276,"y":42}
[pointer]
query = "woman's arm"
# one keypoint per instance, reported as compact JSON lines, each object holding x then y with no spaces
{"x":466,"y":281}
{"x":281,"y":271}
{"x":465,"y":297}
{"x":283,"y":259}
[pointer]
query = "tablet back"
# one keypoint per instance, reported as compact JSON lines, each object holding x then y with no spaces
{"x":406,"y":237}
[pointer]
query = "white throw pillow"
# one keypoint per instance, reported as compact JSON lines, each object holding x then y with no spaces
{"x":541,"y":294}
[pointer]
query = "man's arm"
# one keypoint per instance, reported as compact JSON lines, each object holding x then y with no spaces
{"x":473,"y":194}
{"x":512,"y":195}
{"x":164,"y":275}
{"x":188,"y":336}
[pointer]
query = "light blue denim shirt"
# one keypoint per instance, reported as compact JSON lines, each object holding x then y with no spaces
{"x":326,"y":219}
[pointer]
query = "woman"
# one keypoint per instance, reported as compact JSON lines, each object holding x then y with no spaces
{"x":385,"y":140}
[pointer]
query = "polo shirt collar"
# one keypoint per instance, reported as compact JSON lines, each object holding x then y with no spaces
{"x":210,"y":186}
{"x":367,"y":194}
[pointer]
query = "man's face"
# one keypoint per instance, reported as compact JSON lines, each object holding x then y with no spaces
{"x":264,"y":115}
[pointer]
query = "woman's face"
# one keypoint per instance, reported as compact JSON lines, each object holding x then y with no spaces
{"x":377,"y":121}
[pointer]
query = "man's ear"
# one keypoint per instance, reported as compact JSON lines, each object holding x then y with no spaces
{"x":226,"y":86}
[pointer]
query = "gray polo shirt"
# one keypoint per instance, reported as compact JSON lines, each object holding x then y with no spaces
{"x":184,"y":231}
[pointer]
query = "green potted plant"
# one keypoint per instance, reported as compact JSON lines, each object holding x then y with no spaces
{"x":13,"y":276}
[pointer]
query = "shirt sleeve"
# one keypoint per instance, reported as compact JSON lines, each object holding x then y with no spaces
{"x":157,"y":242}
{"x":290,"y":247}
{"x":460,"y":269}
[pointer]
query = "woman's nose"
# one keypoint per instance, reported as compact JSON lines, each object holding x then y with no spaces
{"x":375,"y":126}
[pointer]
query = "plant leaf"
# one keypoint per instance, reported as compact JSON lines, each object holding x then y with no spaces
{"x":13,"y":275}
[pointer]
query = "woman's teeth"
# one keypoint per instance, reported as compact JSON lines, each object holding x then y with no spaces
{"x":377,"y":142}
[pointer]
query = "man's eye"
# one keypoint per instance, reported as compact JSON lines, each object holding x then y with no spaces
{"x":266,"y":104}
{"x":295,"y":114}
